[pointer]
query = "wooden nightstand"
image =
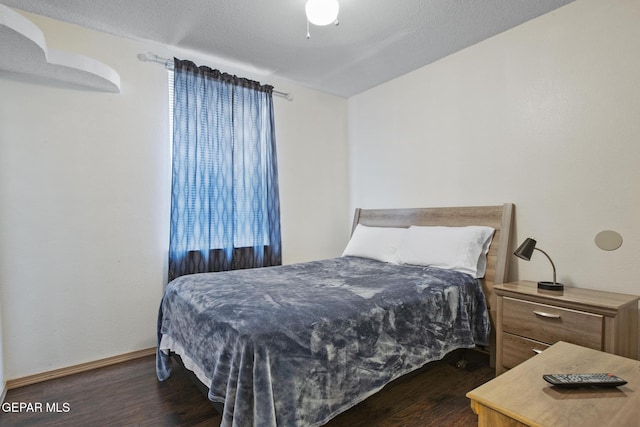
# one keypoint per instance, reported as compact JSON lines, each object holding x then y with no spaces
{"x":530,"y":320}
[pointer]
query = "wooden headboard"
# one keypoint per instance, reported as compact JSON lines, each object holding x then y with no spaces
{"x":498,"y":217}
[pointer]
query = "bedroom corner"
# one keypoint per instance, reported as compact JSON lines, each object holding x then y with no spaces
{"x":85,"y":186}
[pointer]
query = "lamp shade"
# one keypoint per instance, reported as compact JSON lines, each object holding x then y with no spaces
{"x":322,"y":12}
{"x":525,"y":250}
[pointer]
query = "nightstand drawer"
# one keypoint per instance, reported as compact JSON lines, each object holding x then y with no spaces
{"x":516,"y":350}
{"x":550,"y":324}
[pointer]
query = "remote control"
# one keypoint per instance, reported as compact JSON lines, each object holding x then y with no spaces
{"x":581,"y":380}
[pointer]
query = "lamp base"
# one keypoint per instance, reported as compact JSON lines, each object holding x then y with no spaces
{"x":551,"y":286}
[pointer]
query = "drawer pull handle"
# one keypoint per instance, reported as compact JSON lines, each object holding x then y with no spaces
{"x":536,"y":351}
{"x":547,"y":315}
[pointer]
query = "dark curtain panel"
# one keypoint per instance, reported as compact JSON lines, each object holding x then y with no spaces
{"x":225,"y":209}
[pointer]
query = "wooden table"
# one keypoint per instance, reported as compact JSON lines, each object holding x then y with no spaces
{"x":521,"y":397}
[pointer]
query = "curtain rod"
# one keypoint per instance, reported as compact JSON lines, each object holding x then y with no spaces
{"x":168,"y":64}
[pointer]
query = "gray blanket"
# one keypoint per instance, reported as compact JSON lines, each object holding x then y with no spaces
{"x":295,"y":345}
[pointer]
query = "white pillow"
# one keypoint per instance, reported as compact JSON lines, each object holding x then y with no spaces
{"x":462,"y":249}
{"x":482,"y":261}
{"x":379,"y":243}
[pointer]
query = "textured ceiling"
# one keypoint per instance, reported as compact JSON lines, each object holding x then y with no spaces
{"x":376,"y":40}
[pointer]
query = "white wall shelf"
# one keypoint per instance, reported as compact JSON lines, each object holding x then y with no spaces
{"x":24,"y":55}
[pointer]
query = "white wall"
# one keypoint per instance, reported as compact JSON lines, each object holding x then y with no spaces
{"x":3,"y":390}
{"x":313,"y":172}
{"x":84,"y":185}
{"x":545,"y":115}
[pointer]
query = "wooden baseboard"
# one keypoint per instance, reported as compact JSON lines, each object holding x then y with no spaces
{"x":75,"y":369}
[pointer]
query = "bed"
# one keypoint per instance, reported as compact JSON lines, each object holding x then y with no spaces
{"x":295,"y":345}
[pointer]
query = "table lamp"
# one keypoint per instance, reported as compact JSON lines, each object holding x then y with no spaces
{"x":525,"y":250}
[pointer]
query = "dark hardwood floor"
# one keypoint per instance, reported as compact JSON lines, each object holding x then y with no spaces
{"x":128,"y":394}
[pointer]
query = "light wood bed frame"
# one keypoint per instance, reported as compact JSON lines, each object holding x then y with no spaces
{"x":498,"y":217}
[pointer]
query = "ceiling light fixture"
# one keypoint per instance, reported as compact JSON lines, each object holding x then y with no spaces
{"x":322,"y":12}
